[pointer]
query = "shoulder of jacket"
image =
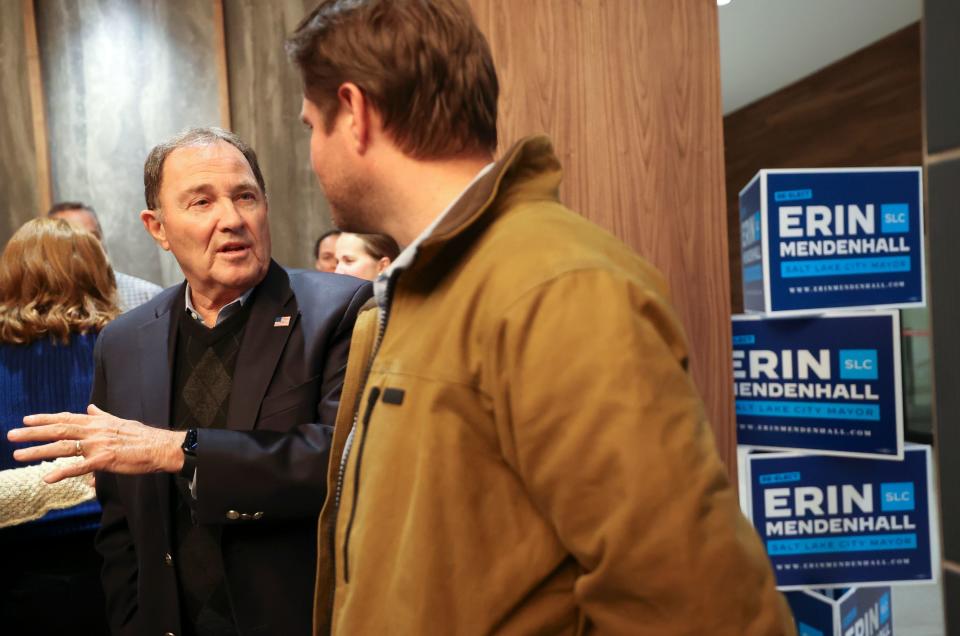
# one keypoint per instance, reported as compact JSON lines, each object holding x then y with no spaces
{"x":538,"y":244}
{"x":126,"y":324}
{"x":309,"y":286}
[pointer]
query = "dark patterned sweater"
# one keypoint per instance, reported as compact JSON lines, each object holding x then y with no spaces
{"x":203,"y":379}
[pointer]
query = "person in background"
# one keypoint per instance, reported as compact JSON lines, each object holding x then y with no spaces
{"x":529,"y":453}
{"x":132,"y":291}
{"x":57,"y":292}
{"x":325,"y":251}
{"x":365,"y":256}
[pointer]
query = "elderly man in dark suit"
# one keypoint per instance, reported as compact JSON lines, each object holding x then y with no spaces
{"x":209,"y":422}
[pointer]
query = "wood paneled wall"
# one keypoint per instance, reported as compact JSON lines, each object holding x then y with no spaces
{"x":629,"y":90}
{"x":20,"y":187}
{"x":265,"y":94}
{"x":863,"y":110}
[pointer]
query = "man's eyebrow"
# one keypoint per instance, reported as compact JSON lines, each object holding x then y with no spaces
{"x":245,"y":185}
{"x":206,"y":188}
{"x":202,"y":188}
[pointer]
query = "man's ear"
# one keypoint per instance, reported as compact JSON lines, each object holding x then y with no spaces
{"x":154,"y":226}
{"x":355,"y":106}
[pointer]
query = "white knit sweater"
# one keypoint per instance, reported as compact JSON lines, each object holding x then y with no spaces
{"x":24,"y":496}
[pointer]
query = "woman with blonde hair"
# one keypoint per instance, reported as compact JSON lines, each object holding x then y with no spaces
{"x":57,"y":291}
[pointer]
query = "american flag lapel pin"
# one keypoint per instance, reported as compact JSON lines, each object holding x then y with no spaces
{"x":281,"y":321}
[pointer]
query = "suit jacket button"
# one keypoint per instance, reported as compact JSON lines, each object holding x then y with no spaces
{"x":168,"y":559}
{"x":246,"y":516}
{"x":258,"y":515}
{"x":233,"y":515}
{"x":169,"y":634}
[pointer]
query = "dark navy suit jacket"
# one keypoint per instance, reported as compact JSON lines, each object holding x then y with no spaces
{"x":262,"y":479}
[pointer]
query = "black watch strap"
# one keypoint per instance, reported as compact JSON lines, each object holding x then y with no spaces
{"x":189,"y":447}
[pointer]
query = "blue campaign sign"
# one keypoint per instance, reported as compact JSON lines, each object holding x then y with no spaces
{"x":863,"y":611}
{"x":752,"y":246}
{"x":866,"y":611}
{"x":828,"y":383}
{"x":843,"y":521}
{"x":814,"y":613}
{"x":839,"y":238}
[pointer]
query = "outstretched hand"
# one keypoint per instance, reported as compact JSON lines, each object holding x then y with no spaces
{"x":106,"y":443}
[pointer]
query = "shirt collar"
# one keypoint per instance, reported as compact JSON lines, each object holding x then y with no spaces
{"x":225,"y":312}
{"x":409,"y":253}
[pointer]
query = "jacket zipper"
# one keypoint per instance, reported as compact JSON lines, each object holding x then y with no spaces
{"x":348,"y":445}
{"x":371,"y":402}
{"x":381,"y":328}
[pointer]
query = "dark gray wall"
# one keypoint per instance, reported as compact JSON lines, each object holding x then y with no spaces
{"x":265,"y":96}
{"x":942,"y":105}
{"x":120,"y":76}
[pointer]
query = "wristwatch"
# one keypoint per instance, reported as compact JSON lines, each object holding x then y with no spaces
{"x":189,"y":448}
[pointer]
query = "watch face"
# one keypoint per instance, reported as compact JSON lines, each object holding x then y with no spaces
{"x":190,"y":442}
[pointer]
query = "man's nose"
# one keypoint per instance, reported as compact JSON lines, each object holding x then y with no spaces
{"x":230,"y":217}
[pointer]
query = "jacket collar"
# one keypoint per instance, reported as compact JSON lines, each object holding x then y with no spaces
{"x":528,"y":170}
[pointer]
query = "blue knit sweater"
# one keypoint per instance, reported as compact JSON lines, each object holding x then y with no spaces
{"x":46,"y":377}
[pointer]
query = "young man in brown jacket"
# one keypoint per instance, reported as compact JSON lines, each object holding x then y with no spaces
{"x":526,"y":452}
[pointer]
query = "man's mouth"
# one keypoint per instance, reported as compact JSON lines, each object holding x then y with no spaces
{"x":233,"y":248}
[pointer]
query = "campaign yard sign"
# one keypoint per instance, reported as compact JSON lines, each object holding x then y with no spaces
{"x":828,"y":383}
{"x":843,"y":521}
{"x":841,"y":238}
{"x":865,"y":611}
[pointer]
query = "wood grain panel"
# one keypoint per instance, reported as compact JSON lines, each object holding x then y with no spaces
{"x":37,"y":106}
{"x":223,"y":76}
{"x":863,"y":110}
{"x":19,"y":184}
{"x":629,"y":90}
{"x":265,"y":95}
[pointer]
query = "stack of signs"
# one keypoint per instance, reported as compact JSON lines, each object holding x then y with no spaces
{"x":855,"y":612}
{"x":828,"y":257}
{"x":837,"y":522}
{"x":830,"y":239}
{"x":829,"y":384}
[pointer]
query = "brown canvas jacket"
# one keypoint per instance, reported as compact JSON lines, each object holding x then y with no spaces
{"x":528,"y":454}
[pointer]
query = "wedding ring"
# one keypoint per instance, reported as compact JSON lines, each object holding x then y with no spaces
{"x":79,"y":447}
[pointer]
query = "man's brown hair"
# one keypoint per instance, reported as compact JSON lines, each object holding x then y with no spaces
{"x":153,"y":166}
{"x":424,"y":66}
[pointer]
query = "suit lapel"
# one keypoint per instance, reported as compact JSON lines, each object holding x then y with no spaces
{"x":157,"y":343}
{"x":262,"y":344}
